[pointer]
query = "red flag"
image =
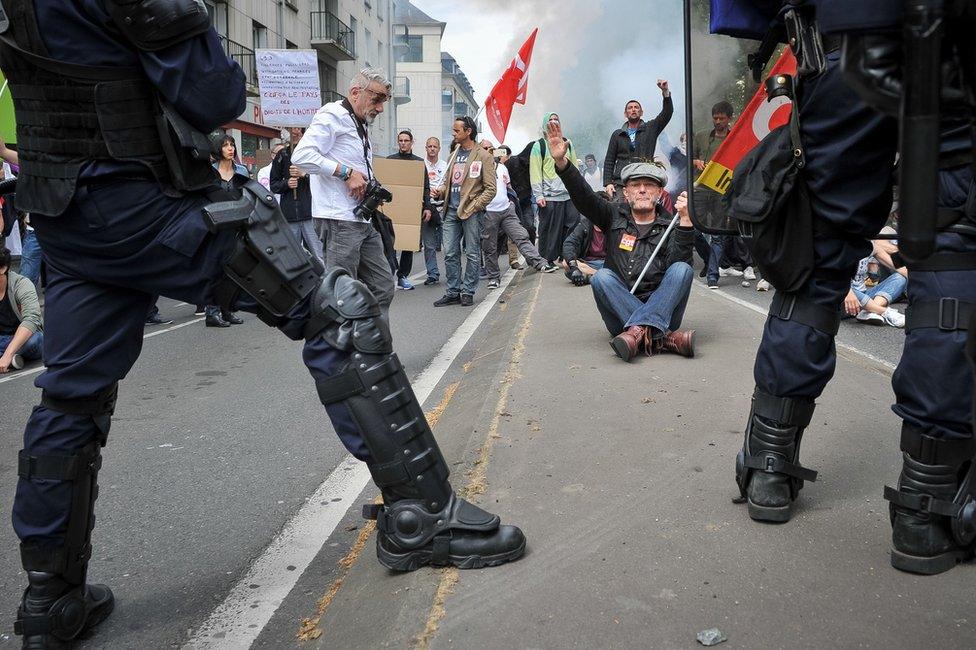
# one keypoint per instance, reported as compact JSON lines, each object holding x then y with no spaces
{"x":757,"y":120}
{"x":509,"y":90}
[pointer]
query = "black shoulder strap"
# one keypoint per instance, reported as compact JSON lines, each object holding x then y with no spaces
{"x":542,"y":147}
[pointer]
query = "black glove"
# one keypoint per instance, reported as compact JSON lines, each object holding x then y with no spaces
{"x":575,"y":275}
{"x":872,"y":65}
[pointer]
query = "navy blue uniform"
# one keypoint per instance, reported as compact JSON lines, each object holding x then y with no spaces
{"x":121,"y":241}
{"x":850,"y":150}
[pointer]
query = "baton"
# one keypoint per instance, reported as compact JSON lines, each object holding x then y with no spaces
{"x":654,"y":254}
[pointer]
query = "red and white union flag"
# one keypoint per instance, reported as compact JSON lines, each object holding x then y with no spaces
{"x":509,"y":90}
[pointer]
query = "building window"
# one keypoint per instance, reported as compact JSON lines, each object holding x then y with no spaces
{"x":370,"y":59}
{"x":447,"y":100}
{"x":328,"y":77}
{"x":291,"y":46}
{"x":218,"y":16}
{"x":260,"y":35}
{"x":410,"y":49}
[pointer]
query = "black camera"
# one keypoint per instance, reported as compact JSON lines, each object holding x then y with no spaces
{"x":374,"y":196}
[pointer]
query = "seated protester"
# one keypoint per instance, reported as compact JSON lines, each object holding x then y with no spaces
{"x":871,"y":303}
{"x":21,"y":335}
{"x":650,"y":318}
{"x":584,"y":251}
{"x":501,"y":215}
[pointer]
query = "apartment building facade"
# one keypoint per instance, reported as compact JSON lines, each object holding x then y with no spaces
{"x":347,"y":35}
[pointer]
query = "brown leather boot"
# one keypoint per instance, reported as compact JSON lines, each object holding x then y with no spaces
{"x":627,"y":344}
{"x":677,"y":342}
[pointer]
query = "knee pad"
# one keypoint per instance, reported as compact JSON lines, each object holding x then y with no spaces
{"x":348,"y":316}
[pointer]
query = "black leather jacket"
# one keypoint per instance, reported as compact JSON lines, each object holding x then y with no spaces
{"x":619,"y":154}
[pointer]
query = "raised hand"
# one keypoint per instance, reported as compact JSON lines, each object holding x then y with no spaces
{"x":663,"y":85}
{"x":557,"y":145}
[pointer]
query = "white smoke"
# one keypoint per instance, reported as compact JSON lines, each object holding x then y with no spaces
{"x":590,"y":58}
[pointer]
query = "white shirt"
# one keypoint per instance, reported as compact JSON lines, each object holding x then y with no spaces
{"x":594,"y":178}
{"x":331,"y":140}
{"x":435,"y":174}
{"x":501,"y":200}
{"x":264,"y":177}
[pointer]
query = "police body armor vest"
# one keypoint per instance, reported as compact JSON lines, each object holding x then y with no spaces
{"x":69,"y":115}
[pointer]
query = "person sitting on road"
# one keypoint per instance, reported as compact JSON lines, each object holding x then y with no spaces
{"x":649,"y":318}
{"x":585,"y":250}
{"x":21,"y":324}
{"x":870,"y":298}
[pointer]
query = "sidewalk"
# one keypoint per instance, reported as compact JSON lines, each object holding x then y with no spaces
{"x":621,"y":476}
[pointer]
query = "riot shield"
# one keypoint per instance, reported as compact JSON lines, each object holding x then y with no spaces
{"x":728,"y":111}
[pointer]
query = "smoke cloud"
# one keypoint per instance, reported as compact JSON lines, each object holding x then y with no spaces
{"x":590,"y":58}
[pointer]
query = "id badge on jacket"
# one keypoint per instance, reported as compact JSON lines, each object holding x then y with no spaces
{"x":627,"y":242}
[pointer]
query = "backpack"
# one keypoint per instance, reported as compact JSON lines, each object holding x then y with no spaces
{"x":770,"y":206}
{"x":518,"y":168}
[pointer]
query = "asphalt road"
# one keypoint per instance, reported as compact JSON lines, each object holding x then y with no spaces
{"x":218,"y":439}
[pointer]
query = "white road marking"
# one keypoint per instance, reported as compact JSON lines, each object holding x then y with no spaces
{"x":237,"y":622}
{"x":765,"y":312}
{"x":34,"y":371}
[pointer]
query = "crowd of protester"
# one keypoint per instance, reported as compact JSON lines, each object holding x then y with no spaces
{"x":479,"y":203}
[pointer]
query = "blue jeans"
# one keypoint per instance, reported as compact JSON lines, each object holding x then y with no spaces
{"x":594,"y":264}
{"x":663,"y":309}
{"x":717,"y":244}
{"x":892,"y":288}
{"x":31,"y":351}
{"x":454,"y":229}
{"x":430,"y":237}
{"x":30,"y":257}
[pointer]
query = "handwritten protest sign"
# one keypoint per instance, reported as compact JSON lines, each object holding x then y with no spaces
{"x":289,"y":84}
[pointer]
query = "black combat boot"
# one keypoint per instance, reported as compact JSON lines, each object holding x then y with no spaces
{"x":933,"y":512}
{"x":54,"y":613}
{"x":421,"y":521}
{"x":767,"y":468}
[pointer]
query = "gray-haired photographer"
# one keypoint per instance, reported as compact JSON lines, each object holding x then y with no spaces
{"x":335,"y":151}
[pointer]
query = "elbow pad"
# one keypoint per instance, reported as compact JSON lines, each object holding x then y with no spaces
{"x":157,"y":24}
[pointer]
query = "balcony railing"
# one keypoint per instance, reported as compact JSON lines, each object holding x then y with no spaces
{"x":245,"y":58}
{"x":401,"y":90}
{"x":332,"y":36}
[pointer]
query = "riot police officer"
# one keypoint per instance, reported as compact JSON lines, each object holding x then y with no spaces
{"x":850,"y":150}
{"x":111,"y":110}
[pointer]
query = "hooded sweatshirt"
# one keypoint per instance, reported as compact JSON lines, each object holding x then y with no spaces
{"x":542,"y":169}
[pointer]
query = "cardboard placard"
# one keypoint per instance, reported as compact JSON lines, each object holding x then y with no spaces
{"x":405,"y":179}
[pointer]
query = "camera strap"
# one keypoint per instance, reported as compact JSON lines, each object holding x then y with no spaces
{"x":363,"y":136}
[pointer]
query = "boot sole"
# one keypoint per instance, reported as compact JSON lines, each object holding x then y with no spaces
{"x":928,"y":566}
{"x":774,"y":514}
{"x":621,"y":349}
{"x":420,"y":558}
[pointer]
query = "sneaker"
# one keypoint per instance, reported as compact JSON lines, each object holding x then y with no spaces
{"x":430,"y":281}
{"x":16,"y":362}
{"x":762,"y":285}
{"x":516,"y":266}
{"x":483,"y":273}
{"x":548,"y":267}
{"x":868,"y":318}
{"x":467,"y":300}
{"x":404,"y":284}
{"x":200,"y":311}
{"x":730,"y":272}
{"x":746,"y":284}
{"x":713,"y":284}
{"x":894,"y":318}
{"x":493,"y":284}
{"x":749,"y":274}
{"x":448,"y":299}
